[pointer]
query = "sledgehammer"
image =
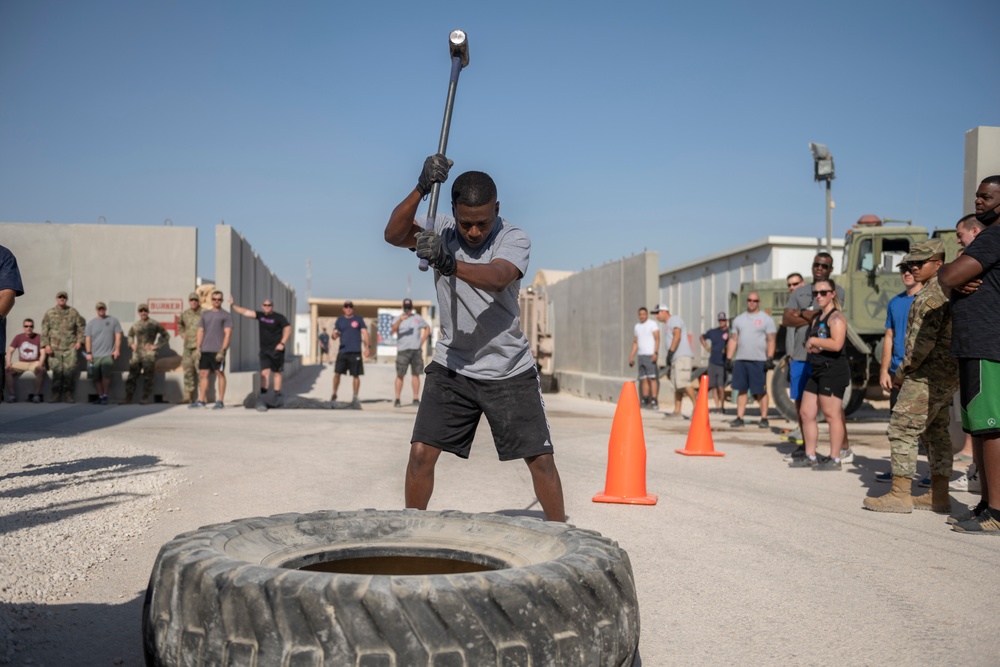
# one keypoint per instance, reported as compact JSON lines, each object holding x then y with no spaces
{"x":458,"y":44}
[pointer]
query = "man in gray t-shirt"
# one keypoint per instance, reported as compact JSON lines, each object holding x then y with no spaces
{"x":214,"y":331}
{"x":102,"y":339}
{"x":482,"y":357}
{"x":411,"y":332}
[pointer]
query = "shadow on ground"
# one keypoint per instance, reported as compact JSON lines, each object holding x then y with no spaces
{"x":54,"y":635}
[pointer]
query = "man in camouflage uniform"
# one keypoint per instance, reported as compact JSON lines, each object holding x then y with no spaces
{"x":188,"y":328}
{"x":927,"y":379}
{"x":62,"y":337}
{"x":146,"y":337}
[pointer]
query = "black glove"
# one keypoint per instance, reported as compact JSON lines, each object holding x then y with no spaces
{"x":729,"y":365}
{"x":431,"y":247}
{"x":670,"y":358}
{"x":769,"y":364}
{"x":435,"y":171}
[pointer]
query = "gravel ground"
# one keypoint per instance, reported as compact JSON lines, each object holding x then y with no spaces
{"x":61,"y":518}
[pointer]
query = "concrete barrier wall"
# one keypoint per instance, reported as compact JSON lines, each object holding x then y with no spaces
{"x":122,"y":265}
{"x":240,"y":272}
{"x":593,"y":315}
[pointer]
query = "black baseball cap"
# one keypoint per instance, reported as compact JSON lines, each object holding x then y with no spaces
{"x":407,"y":303}
{"x":348,"y":304}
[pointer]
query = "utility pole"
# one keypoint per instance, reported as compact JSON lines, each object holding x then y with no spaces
{"x":823,"y":171}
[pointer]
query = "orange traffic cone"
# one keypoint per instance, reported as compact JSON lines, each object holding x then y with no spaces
{"x":699,"y":442}
{"x":626,"y":480}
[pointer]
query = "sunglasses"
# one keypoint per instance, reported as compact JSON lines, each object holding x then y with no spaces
{"x":905,"y":268}
{"x":216,"y":299}
{"x":822,"y":292}
{"x":141,"y":311}
{"x":29,"y":326}
{"x":268,"y":305}
{"x":794,"y":284}
{"x":754,"y":300}
{"x":821,"y":265}
{"x":916,"y":265}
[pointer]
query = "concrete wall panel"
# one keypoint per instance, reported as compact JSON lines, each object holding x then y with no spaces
{"x":593,"y":313}
{"x":242,"y":273}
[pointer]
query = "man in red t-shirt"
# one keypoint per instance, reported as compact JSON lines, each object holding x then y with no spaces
{"x":31,"y":357}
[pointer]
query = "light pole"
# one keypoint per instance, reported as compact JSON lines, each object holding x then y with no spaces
{"x":823,"y":171}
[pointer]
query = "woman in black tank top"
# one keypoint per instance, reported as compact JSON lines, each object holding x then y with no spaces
{"x":830,"y":378}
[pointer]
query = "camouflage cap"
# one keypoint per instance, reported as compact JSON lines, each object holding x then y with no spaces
{"x":193,"y":296}
{"x":101,"y":304}
{"x":142,"y":307}
{"x":924,"y":251}
{"x":62,"y":294}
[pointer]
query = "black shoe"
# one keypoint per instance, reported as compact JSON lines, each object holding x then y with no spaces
{"x":416,"y":402}
{"x":804,"y":462}
{"x":798,"y":453}
{"x":736,"y":423}
{"x":397,"y":404}
{"x":763,"y":423}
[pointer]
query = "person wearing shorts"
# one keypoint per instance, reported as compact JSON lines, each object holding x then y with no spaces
{"x":645,"y":343}
{"x":214,"y":332}
{"x":352,"y":333}
{"x":411,"y":333}
{"x":679,"y":358}
{"x":482,"y":362}
{"x":828,"y":380}
{"x":102,"y":340}
{"x":974,"y":278}
{"x":714,"y":342}
{"x":30,"y":359}
{"x":273,"y":330}
{"x":750,"y":350}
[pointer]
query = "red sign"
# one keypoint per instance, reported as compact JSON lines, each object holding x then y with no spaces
{"x":167,"y":312}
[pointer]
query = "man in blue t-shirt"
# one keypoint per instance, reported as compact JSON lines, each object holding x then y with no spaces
{"x":894,"y":343}
{"x":714,"y":341}
{"x":352,"y":333}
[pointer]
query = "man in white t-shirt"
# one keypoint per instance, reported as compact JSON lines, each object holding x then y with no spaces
{"x":679,"y":357}
{"x":645,"y":345}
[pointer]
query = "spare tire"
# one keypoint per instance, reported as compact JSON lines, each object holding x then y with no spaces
{"x":391,"y":588}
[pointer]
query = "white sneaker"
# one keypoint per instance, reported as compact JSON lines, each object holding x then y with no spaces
{"x":847,"y":455}
{"x":967,"y":481}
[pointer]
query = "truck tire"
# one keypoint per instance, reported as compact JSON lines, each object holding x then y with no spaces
{"x":391,"y":588}
{"x":853,"y":397}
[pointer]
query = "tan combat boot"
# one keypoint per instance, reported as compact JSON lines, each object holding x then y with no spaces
{"x":897,"y":500}
{"x":938,"y":499}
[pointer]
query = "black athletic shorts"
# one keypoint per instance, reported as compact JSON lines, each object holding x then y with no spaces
{"x":272,"y":360}
{"x":831,"y":378}
{"x":452,"y":404}
{"x":349,"y":362}
{"x":207,"y":362}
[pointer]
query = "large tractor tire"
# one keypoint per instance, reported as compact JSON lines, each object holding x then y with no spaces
{"x":853,"y":397}
{"x":373,"y":588}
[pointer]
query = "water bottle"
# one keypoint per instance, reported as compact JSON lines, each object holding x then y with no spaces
{"x":823,"y":331}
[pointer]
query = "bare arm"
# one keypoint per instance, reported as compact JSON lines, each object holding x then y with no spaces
{"x":493,"y":277}
{"x":771,"y":338}
{"x":6,"y":301}
{"x":225,"y":339}
{"x":731,"y":344}
{"x":676,"y":339}
{"x":365,"y":340}
{"x":961,"y":274}
{"x":87,"y":344}
{"x":631,"y":354}
{"x":425,"y":332}
{"x":656,"y":344}
{"x":285,"y":333}
{"x":402,"y":228}
{"x":838,"y":335}
{"x":245,"y":312}
{"x":199,"y":338}
{"x":796,"y":317}
{"x":884,"y":379}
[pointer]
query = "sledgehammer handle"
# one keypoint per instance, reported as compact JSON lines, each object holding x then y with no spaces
{"x":456,"y":69}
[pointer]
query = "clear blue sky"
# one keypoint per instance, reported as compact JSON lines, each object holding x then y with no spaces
{"x":609,"y":127}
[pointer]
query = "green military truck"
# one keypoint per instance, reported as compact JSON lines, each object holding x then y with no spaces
{"x":869,"y":276}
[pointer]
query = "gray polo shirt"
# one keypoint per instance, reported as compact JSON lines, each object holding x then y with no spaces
{"x":101,"y":331}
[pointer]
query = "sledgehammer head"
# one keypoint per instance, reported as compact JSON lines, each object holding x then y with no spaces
{"x":458,"y":42}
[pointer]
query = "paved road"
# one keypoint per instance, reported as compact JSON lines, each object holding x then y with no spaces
{"x":742,"y":561}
